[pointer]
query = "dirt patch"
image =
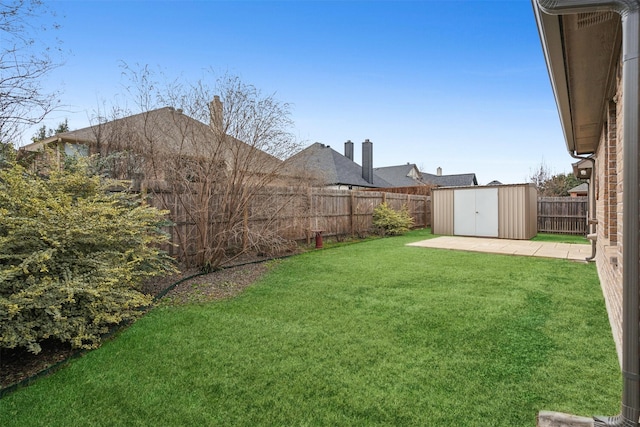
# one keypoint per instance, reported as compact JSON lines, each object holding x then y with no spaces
{"x":217,"y":285}
{"x":18,"y":364}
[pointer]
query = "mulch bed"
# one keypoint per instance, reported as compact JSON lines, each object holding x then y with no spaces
{"x":18,"y":364}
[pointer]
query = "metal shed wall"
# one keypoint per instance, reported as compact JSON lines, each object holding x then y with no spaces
{"x":442,"y":211}
{"x":517,"y":210}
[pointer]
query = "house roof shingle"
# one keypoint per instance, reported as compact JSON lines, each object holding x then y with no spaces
{"x":400,"y":176}
{"x":458,"y":180}
{"x":164,"y":131}
{"x":332,"y":168}
{"x":581,"y":188}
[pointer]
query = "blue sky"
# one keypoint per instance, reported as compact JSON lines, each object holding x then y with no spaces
{"x":458,"y":84}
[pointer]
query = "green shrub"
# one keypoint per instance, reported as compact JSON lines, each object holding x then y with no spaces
{"x":72,"y":257}
{"x":388,"y":221}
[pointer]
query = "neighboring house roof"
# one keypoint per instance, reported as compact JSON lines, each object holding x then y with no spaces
{"x":169,"y":129}
{"x":580,"y":189}
{"x":495,"y":182}
{"x":459,"y":180}
{"x":165,"y":131}
{"x":582,"y":169}
{"x":400,"y":176}
{"x":331,"y":167}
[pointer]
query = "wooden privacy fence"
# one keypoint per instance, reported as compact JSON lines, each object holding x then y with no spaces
{"x":296,"y":213}
{"x":565,"y":215}
{"x":343,"y":212}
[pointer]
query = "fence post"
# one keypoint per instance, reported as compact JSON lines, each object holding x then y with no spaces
{"x":426,"y":212}
{"x":352,"y":198}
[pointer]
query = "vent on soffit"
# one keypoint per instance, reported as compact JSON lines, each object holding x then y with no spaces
{"x":590,"y":19}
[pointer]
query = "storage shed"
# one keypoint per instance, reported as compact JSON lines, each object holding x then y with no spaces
{"x":501,"y":211}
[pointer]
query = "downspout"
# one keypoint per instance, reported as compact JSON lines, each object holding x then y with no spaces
{"x":629,"y":10}
{"x":591,"y":208}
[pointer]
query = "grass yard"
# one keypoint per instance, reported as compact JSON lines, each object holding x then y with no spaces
{"x":560,"y":238}
{"x":368,"y":334}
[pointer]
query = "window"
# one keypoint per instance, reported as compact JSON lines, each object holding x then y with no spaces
{"x":76,"y":150}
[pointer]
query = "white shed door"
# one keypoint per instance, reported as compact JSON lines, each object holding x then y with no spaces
{"x":475,"y":212}
{"x":464,"y":212}
{"x":487,"y":212}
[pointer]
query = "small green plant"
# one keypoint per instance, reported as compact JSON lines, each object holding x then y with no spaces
{"x":388,"y":221}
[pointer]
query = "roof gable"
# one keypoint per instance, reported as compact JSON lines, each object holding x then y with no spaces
{"x":400,"y":175}
{"x":459,"y":180}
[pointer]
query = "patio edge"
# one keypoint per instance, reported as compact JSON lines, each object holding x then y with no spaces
{"x":558,"y":419}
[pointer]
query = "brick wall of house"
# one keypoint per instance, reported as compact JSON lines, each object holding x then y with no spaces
{"x":612,"y":173}
{"x":608,"y":190}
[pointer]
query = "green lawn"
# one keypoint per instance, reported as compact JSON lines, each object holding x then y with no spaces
{"x":376,"y":333}
{"x":561,"y":238}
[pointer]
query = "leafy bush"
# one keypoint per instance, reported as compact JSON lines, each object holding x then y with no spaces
{"x":72,"y":257}
{"x":388,"y":221}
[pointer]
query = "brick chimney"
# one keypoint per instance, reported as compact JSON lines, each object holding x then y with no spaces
{"x":215,"y":112}
{"x":348,"y":150}
{"x":367,"y":161}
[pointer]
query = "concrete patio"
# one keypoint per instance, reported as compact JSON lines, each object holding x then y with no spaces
{"x":571,"y":251}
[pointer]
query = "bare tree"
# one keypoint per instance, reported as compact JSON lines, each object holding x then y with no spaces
{"x":212,"y":156}
{"x":24,"y":60}
{"x":552,"y":185}
{"x":540,"y":176}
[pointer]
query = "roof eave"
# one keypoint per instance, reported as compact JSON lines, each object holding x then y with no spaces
{"x":581,"y":52}
{"x":40,"y":145}
{"x":551,"y":39}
